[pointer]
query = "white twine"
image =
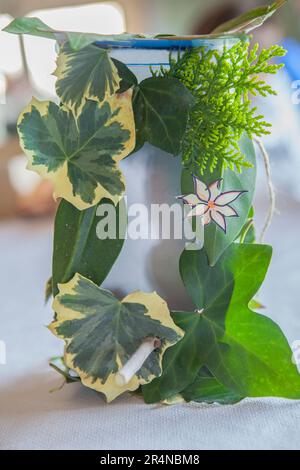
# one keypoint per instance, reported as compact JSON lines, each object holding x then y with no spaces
{"x":271,"y":189}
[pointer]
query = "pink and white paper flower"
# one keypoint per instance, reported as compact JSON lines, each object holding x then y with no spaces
{"x":210,"y":203}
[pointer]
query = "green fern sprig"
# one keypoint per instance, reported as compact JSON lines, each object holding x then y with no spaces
{"x":222,"y":83}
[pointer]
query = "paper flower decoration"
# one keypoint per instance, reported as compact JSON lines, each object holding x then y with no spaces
{"x":210,"y":203}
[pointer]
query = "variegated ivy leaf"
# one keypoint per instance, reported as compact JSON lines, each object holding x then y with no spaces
{"x":79,"y":155}
{"x":174,"y":400}
{"x":102,"y":333}
{"x":86,"y":74}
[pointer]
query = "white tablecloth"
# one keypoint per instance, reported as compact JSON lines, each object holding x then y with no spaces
{"x":78,"y":418}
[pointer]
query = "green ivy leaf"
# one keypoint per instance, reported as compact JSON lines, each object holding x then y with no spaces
{"x":102,"y":333}
{"x":183,"y":361}
{"x":32,"y":26}
{"x":245,"y":351}
{"x":215,"y":240}
{"x":207,"y":389}
{"x":77,"y":249}
{"x":128,"y":79}
{"x":77,"y":40}
{"x":250,"y":20}
{"x":180,"y":362}
{"x":86,"y":74}
{"x":80,"y":155}
{"x":161,"y":107}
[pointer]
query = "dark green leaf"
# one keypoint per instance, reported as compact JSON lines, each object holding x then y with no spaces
{"x":161,"y":107}
{"x":128,"y":79}
{"x":181,"y":362}
{"x":77,"y":249}
{"x":250,"y":20}
{"x":200,"y":336}
{"x":206,"y":389}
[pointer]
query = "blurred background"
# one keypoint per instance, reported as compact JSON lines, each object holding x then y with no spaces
{"x":26,"y":203}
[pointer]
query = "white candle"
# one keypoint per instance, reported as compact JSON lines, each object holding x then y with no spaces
{"x":136,"y":361}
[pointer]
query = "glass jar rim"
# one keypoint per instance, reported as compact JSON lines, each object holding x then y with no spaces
{"x":172,"y":42}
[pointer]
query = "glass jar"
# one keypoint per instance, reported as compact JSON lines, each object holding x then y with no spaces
{"x":153,"y":177}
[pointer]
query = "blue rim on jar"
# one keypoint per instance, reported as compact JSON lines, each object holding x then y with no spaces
{"x":173,"y":42}
{"x":158,"y":49}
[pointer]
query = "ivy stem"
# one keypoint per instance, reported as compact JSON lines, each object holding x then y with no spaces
{"x":270,"y":187}
{"x":246,"y":230}
{"x":133,"y":365}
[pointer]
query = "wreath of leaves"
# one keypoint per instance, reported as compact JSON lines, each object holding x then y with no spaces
{"x":224,"y":350}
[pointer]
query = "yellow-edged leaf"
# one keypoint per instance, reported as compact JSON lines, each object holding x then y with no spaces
{"x":173,"y":400}
{"x":79,"y":155}
{"x":85,"y":74}
{"x":102,"y":333}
